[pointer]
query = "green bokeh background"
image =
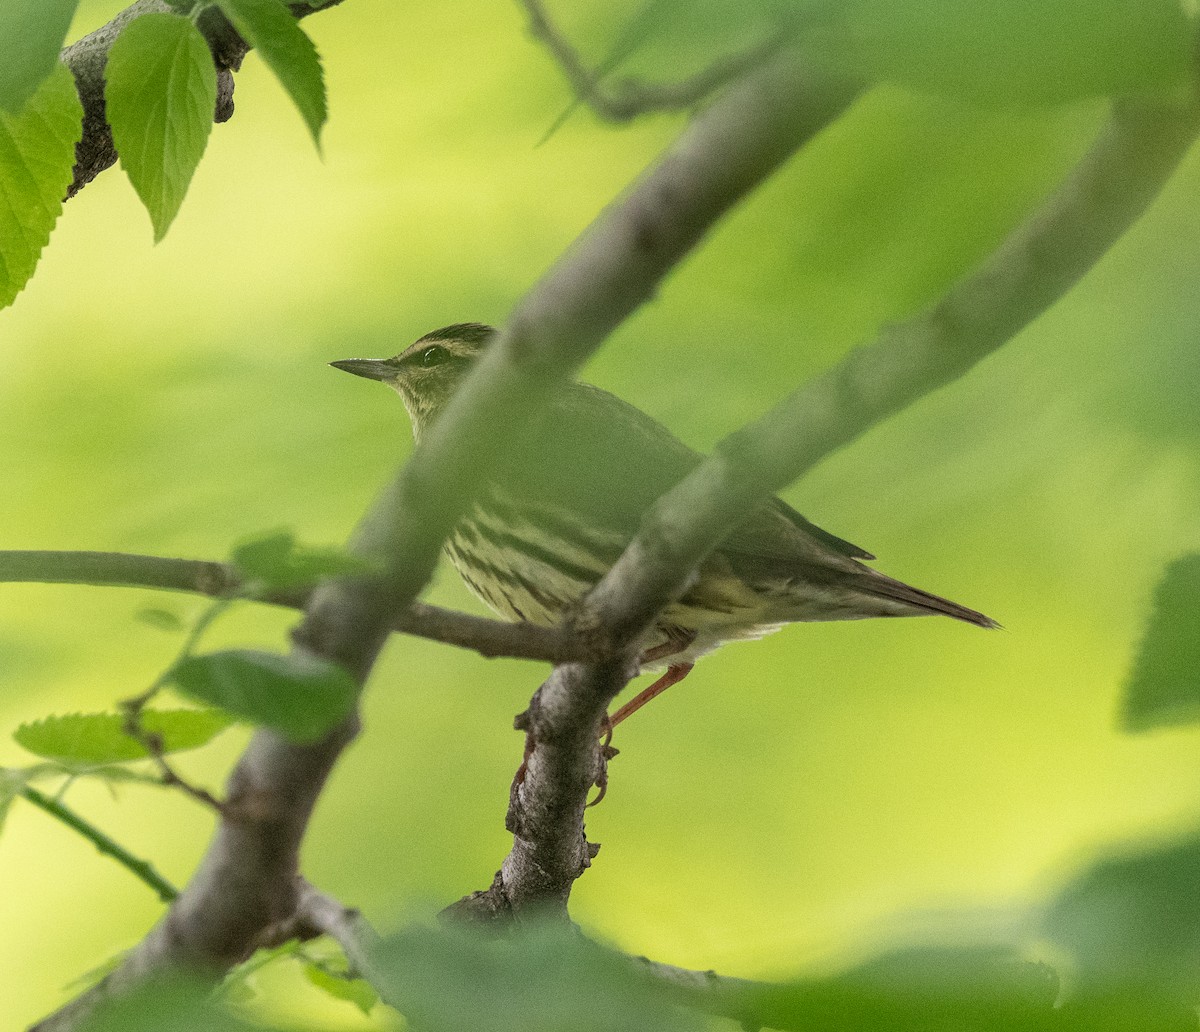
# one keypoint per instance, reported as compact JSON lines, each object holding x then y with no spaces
{"x":797,"y":795}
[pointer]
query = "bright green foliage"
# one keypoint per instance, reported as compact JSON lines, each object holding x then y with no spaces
{"x":37,"y":153}
{"x":342,"y":987}
{"x":160,"y":95}
{"x":165,"y":1005}
{"x":31,"y":34}
{"x":272,"y":30}
{"x":302,"y":696}
{"x":1164,"y":688}
{"x":276,"y":561}
{"x":1014,"y":51}
{"x":551,"y":980}
{"x":99,"y":738}
{"x":1133,"y":921}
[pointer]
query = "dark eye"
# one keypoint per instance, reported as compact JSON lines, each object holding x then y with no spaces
{"x":434,"y":356}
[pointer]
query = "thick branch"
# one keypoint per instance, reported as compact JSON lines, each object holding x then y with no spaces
{"x":87,"y":57}
{"x":1038,"y":263}
{"x":490,"y":638}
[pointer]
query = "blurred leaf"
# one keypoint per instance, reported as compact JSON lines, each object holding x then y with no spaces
{"x":1009,"y":52}
{"x":175,"y":1005}
{"x":1164,"y":687}
{"x":548,"y":978}
{"x":353,"y":990}
{"x":300,"y":695}
{"x":162,"y":619}
{"x":37,"y":155}
{"x":920,"y":990}
{"x":277,"y":561}
{"x":96,"y":974}
{"x":99,"y":738}
{"x":269,"y":27}
{"x":160,"y":96}
{"x":1133,"y":920}
{"x":32,"y":33}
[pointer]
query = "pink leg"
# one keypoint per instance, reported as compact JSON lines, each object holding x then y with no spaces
{"x":674,"y":674}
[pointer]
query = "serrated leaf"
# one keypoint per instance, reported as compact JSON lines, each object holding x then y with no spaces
{"x":275,"y":560}
{"x":1013,"y":52}
{"x":353,"y":990}
{"x":37,"y":155}
{"x":95,"y":739}
{"x":269,"y":27}
{"x":160,"y":96}
{"x":32,"y":33}
{"x":299,"y":695}
{"x":1164,"y":688}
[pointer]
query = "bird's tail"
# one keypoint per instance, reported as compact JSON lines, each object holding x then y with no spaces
{"x":921,"y":602}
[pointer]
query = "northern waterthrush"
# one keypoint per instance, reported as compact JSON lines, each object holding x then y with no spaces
{"x":542,"y":534}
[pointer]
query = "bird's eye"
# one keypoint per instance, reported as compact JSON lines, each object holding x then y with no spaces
{"x":434,"y":356}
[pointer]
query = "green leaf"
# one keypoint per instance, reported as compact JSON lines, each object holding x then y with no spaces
{"x":269,"y":27}
{"x":1011,"y":52}
{"x":300,"y":695}
{"x":160,"y":96}
{"x":99,"y":738}
{"x":353,"y":990}
{"x":1164,"y":687}
{"x":32,"y":33}
{"x":1133,"y":920}
{"x":548,"y":979}
{"x":275,"y":560}
{"x":37,"y":155}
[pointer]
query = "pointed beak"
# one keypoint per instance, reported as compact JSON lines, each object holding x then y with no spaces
{"x":371,"y":368}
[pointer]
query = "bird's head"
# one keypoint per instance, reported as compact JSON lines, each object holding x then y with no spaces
{"x":426,"y":374}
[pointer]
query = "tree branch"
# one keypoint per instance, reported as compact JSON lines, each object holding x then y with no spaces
{"x":247,"y":881}
{"x":1037,"y":264}
{"x":490,"y":638}
{"x":635,"y":97}
{"x":141,"y":869}
{"x":86,"y":58}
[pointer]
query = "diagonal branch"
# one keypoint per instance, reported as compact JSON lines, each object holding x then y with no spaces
{"x":247,"y":881}
{"x":86,"y":58}
{"x":1038,"y":263}
{"x":490,"y":638}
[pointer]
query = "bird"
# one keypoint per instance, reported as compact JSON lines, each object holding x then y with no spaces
{"x":541,"y":533}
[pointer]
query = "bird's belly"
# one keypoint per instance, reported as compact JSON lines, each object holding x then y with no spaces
{"x":522,"y":573}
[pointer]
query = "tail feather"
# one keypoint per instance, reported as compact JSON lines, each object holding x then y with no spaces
{"x":882,"y":586}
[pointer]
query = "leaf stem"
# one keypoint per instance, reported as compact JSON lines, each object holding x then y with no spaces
{"x":141,"y":869}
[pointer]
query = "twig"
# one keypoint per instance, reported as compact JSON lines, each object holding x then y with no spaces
{"x":490,"y":638}
{"x":321,"y":914}
{"x":141,"y":869}
{"x":636,"y":97}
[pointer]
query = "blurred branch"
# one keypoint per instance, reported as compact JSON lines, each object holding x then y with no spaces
{"x":1037,"y":264}
{"x":320,"y":914}
{"x":87,"y":58}
{"x":634,"y":97}
{"x":490,"y":638}
{"x":247,"y":881}
{"x":141,"y":869}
